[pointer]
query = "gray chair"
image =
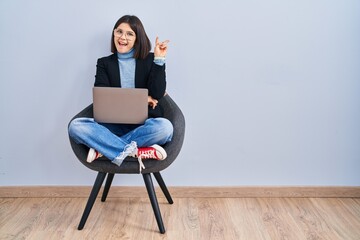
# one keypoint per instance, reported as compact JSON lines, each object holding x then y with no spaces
{"x":131,"y":166}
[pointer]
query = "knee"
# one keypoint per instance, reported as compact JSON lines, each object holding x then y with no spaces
{"x":77,"y":127}
{"x":73,"y":127}
{"x":165,"y":127}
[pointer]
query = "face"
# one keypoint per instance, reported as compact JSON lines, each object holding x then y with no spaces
{"x":124,"y":38}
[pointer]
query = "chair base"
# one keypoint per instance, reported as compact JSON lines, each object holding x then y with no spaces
{"x":149,"y":187}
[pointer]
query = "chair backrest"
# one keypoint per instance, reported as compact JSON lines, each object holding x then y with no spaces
{"x":130,"y":165}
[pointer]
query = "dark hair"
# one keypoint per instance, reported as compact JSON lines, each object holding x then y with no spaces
{"x":142,"y":45}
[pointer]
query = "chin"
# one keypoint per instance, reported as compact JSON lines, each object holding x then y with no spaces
{"x":123,"y":49}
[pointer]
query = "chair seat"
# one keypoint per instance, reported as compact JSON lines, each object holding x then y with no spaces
{"x":130,"y":165}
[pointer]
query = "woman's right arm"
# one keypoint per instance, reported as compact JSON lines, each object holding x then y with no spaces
{"x":101,"y":77}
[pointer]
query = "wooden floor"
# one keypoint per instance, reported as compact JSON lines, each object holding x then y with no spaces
{"x":187,"y":218}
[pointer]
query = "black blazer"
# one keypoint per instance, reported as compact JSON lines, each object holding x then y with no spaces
{"x":147,"y":75}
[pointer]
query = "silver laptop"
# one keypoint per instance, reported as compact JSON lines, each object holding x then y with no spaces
{"x":120,"y":105}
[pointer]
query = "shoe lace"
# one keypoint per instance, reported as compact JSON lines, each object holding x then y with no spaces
{"x":146,"y":154}
{"x":141,"y":164}
{"x":98,"y":155}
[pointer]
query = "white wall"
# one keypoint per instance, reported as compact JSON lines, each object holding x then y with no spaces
{"x":270,"y":89}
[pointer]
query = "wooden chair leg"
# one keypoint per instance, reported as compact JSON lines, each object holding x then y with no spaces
{"x":151,"y":191}
{"x":109,"y":179}
{"x":94,"y":192}
{"x":163,"y":187}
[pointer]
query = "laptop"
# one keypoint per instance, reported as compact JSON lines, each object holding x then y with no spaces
{"x":120,"y":105}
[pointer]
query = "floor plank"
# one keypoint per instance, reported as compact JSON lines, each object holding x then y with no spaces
{"x":187,"y":218}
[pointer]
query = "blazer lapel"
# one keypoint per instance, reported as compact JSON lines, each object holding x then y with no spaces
{"x":139,"y":74}
{"x":114,"y":71}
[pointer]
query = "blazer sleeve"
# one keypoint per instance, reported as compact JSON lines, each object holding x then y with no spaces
{"x":157,"y":79}
{"x":101,"y":77}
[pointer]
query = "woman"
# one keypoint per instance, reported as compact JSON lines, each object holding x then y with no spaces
{"x":131,"y":65}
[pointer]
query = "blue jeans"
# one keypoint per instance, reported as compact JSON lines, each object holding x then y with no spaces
{"x":112,"y":139}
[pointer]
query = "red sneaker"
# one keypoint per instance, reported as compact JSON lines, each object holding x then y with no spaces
{"x":153,"y":152}
{"x":92,"y":155}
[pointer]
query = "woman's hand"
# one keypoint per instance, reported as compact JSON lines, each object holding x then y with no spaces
{"x":160,"y":48}
{"x":152,"y":102}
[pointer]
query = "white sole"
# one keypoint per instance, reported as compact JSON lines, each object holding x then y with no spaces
{"x":161,"y":151}
{"x":90,"y":156}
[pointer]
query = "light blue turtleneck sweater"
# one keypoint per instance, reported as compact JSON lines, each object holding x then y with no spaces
{"x":127,"y":65}
{"x":127,"y":69}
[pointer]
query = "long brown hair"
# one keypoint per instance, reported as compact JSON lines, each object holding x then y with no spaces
{"x":142,"y":45}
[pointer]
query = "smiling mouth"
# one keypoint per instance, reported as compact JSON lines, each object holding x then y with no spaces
{"x":123,"y":44}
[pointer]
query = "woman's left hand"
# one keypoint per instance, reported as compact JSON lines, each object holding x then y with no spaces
{"x":160,"y":48}
{"x":152,"y":102}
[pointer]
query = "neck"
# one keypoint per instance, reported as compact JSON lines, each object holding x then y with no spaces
{"x":129,"y":54}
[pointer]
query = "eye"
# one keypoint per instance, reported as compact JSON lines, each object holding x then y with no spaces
{"x":131,"y":34}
